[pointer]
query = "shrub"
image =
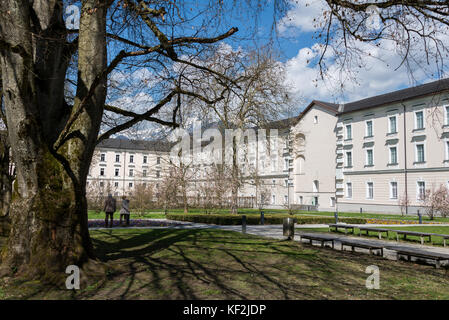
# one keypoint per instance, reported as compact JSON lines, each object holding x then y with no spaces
{"x":228,"y":219}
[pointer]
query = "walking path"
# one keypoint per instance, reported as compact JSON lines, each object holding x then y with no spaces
{"x":276,"y":232}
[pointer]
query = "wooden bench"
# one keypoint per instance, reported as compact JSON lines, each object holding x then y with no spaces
{"x":435,"y":256}
{"x":378,"y":230}
{"x":422,"y":235}
{"x":444,"y":236}
{"x":318,"y":237}
{"x":342,"y":226}
{"x":362,"y":244}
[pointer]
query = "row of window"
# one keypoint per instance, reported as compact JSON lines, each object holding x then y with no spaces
{"x":116,"y":184}
{"x":393,"y":185}
{"x":131,"y":158}
{"x":393,"y":155}
{"x":130,"y":173}
{"x":392,"y":124}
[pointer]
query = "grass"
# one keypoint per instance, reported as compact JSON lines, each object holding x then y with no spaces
{"x":392,"y":235}
{"x":215,"y":264}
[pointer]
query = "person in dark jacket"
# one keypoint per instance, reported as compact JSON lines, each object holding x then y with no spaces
{"x":109,"y":209}
{"x":124,"y":211}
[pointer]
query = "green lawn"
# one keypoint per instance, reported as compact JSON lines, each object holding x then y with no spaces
{"x":392,"y":235}
{"x":214,"y":264}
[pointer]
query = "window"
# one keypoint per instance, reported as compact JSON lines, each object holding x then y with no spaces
{"x":285,"y":164}
{"x":369,"y":128}
{"x":101,"y":184}
{"x":130,"y":185}
{"x":285,"y":199}
{"x":315,"y":186}
{"x":144,"y":173}
{"x":419,"y":120}
{"x":446,"y":122}
{"x":392,"y":125}
{"x":349,"y":190}
{"x":286,"y":182}
{"x":369,"y":157}
{"x":131,"y":159}
{"x":131,"y":172}
{"x":393,"y":155}
{"x":274,"y":182}
{"x":393,"y":190}
{"x":101,"y":171}
{"x":116,"y":184}
{"x":158,"y":160}
{"x":348,"y":132}
{"x":301,"y":199}
{"x":102,"y":157}
{"x":158,"y":174}
{"x":421,"y":190}
{"x":117,"y":172}
{"x":332,"y":201}
{"x":447,"y":150}
{"x":349,"y":159}
{"x":273,"y":199}
{"x":315,"y":119}
{"x":420,"y":153}
{"x":144,"y":185}
{"x":145,"y":158}
{"x":117,"y":158}
{"x":369,"y":190}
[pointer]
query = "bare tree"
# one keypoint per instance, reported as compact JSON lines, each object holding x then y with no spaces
{"x":436,"y":201}
{"x":142,"y":197}
{"x":55,"y":82}
{"x":258,"y":94}
{"x":404,"y":203}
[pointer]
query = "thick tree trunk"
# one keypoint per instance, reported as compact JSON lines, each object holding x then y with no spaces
{"x":49,"y":209}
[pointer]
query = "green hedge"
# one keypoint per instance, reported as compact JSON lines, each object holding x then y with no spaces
{"x":229,"y":219}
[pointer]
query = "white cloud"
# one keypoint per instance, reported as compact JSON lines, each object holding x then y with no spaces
{"x":377,"y":75}
{"x":303,"y":17}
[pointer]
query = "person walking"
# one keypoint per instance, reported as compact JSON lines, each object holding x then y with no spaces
{"x":124,"y":211}
{"x":109,"y":209}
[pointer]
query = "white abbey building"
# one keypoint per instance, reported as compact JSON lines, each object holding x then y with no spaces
{"x":364,"y":155}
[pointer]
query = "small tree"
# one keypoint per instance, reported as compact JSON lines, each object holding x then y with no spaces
{"x":437,"y":201}
{"x":404,"y":202}
{"x":142,"y":198}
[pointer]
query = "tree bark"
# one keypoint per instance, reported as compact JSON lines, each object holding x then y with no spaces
{"x":49,"y":209}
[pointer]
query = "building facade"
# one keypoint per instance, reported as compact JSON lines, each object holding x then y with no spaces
{"x":380,"y":154}
{"x":392,"y":149}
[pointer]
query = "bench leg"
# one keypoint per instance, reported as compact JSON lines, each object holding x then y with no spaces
{"x":370,"y":251}
{"x":352,"y":248}
{"x":322,"y":243}
{"x":397,"y":237}
{"x":437,"y":264}
{"x":380,"y":235}
{"x":444,"y":242}
{"x":422,"y":240}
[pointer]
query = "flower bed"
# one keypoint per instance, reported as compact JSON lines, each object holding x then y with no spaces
{"x":387,"y":221}
{"x":99,"y":223}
